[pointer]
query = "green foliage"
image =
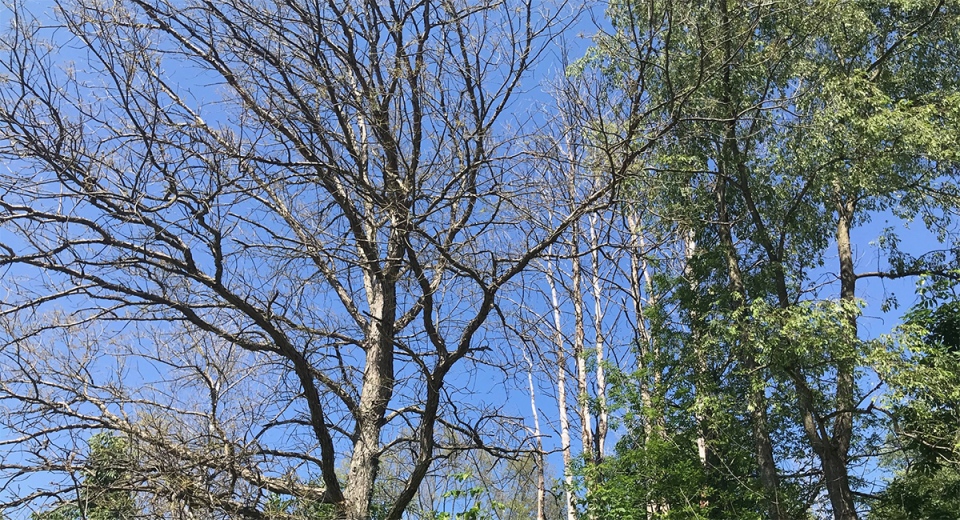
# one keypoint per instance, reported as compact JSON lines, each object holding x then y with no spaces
{"x":658,"y":472}
{"x":464,"y":500}
{"x":105,"y":492}
{"x":920,"y":496}
{"x":663,"y":478}
{"x":788,"y":113}
{"x":810,"y":335}
{"x":926,"y":385}
{"x":295,"y":508}
{"x":925,"y":382}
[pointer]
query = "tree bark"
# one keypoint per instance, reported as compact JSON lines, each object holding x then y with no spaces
{"x":835,"y":469}
{"x":539,"y":456}
{"x":641,"y":284}
{"x":596,"y":288}
{"x":561,"y":365}
{"x":576,"y":293}
{"x":703,"y":384}
{"x":757,"y":406}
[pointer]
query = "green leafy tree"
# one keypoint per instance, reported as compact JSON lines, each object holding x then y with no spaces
{"x":926,"y":417}
{"x":801,"y":121}
{"x":105,"y":491}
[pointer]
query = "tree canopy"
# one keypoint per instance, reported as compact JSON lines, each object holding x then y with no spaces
{"x":278,"y":259}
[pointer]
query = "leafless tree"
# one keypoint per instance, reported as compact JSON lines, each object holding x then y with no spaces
{"x":310,"y":206}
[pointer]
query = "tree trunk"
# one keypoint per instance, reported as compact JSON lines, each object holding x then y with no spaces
{"x":375,"y":396}
{"x":579,"y":344}
{"x":832,"y":448}
{"x":600,"y":436}
{"x":538,"y":443}
{"x":640,"y":284}
{"x":702,"y":412}
{"x":835,"y":464}
{"x":763,"y":446}
{"x":562,"y":398}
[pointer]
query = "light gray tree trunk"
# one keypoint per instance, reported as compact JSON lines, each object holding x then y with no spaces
{"x":599,"y":299}
{"x":561,"y":367}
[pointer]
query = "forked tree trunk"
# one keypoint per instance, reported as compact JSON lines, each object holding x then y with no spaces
{"x":835,"y":462}
{"x":832,"y":447}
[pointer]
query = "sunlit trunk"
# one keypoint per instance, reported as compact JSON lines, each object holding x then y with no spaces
{"x":538,"y":443}
{"x":641,"y":284}
{"x":835,"y":461}
{"x":579,"y":345}
{"x":598,"y":329}
{"x":561,"y":366}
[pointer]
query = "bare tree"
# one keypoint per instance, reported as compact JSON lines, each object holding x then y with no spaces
{"x":331,"y":189}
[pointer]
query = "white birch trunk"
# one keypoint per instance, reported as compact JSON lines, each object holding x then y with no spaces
{"x":579,"y":344}
{"x":598,"y":314}
{"x":538,"y":442}
{"x":561,"y":359}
